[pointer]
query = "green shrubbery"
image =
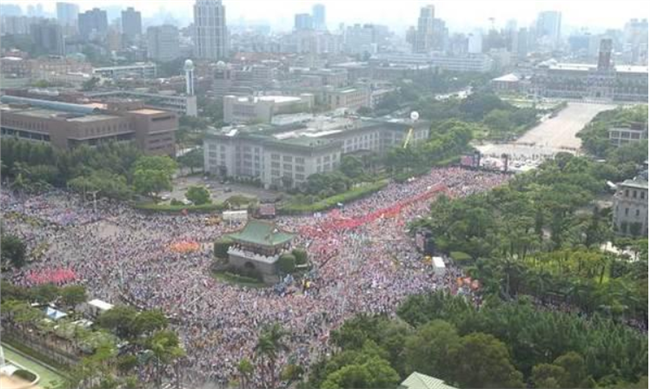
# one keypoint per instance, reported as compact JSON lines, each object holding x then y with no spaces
{"x":331,"y":202}
{"x":25,"y":375}
{"x":205,"y":208}
{"x":287,"y":263}
{"x":221,"y":247}
{"x":300,"y":255}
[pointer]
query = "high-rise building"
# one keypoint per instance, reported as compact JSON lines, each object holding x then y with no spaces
{"x":67,"y":14}
{"x":303,"y":22}
{"x":131,"y":24}
{"x":523,"y":37}
{"x":93,"y":24}
{"x":35,"y":10}
{"x":163,"y":42}
{"x":548,"y":28}
{"x":318,"y":16}
{"x":605,"y":55}
{"x":635,"y":41}
{"x":10,"y":10}
{"x":48,"y":36}
{"x":210,"y":33}
{"x":475,"y":42}
{"x":424,"y":38}
{"x":440,"y":35}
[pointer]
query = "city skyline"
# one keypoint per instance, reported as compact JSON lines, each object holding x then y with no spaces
{"x":400,"y":16}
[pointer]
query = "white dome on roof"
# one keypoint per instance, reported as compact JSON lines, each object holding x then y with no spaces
{"x":221,"y":65}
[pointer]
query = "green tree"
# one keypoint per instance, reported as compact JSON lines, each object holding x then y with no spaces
{"x":166,"y":350}
{"x":270,"y":344}
{"x":13,"y":251}
{"x":431,"y":349}
{"x":46,"y":293}
{"x":245,"y":369}
{"x":300,"y":255}
{"x":147,"y":322}
{"x":549,"y":376}
{"x":151,"y":181}
{"x":576,"y":370}
{"x":198,"y":195}
{"x":73,"y":295}
{"x":287,"y":263}
{"x":221,"y":247}
{"x":482,"y":361}
{"x":119,"y":320}
{"x":192,"y":160}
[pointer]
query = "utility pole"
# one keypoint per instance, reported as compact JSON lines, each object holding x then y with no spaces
{"x":94,"y":193}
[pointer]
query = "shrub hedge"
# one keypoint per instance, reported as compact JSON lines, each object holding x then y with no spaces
{"x":221,"y":247}
{"x":166,"y":208}
{"x":331,"y":202}
{"x":287,"y":263}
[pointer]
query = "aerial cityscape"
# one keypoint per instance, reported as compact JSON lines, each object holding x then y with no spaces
{"x":421,"y":194}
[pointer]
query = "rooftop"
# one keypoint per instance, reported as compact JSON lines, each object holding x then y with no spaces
{"x":147,"y":111}
{"x":92,"y":118}
{"x":635,"y":183}
{"x":262,"y":233}
{"x":422,"y":381}
{"x":507,"y":78}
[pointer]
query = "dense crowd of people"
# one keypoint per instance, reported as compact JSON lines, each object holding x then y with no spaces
{"x":122,"y":255}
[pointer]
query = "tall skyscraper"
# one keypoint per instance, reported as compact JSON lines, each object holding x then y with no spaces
{"x":475,"y":42}
{"x":210,"y":33}
{"x":131,"y":24}
{"x":440,"y":35}
{"x":303,"y":22}
{"x":548,"y":28}
{"x":425,"y":33}
{"x":48,"y":37}
{"x":163,"y":42}
{"x":93,"y":24}
{"x":605,"y":55}
{"x":67,"y":14}
{"x":10,"y":10}
{"x":318,"y":17}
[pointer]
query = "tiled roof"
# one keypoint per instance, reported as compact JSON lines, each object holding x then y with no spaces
{"x":262,"y":233}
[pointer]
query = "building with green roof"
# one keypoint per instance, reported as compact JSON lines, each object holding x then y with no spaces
{"x":422,"y":381}
{"x":258,"y":246}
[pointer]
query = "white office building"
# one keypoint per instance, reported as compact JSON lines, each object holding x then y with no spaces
{"x":163,"y":43}
{"x":210,"y":33}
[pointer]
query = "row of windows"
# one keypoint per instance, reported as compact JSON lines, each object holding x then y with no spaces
{"x":25,"y":134}
{"x":634,"y":193}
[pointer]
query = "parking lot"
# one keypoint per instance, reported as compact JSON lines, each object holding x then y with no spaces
{"x":220,"y":192}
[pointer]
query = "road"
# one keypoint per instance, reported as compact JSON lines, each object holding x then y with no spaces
{"x":550,"y":137}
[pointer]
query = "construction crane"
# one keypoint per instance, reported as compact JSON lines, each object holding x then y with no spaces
{"x":414,"y":117}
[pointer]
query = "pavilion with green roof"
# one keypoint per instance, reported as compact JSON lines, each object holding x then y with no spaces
{"x":422,"y":381}
{"x":259,"y":246}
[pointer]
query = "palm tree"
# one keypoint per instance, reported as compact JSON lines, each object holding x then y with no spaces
{"x":269,"y":345}
{"x":245,"y":369}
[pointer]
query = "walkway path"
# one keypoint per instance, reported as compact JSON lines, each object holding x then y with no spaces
{"x":49,"y":377}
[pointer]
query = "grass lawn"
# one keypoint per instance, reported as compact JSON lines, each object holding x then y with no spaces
{"x":49,"y":377}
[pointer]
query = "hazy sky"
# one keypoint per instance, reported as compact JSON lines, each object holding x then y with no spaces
{"x":459,"y":14}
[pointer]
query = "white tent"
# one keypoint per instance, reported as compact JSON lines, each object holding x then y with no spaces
{"x":439,"y":266}
{"x":54,"y":314}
